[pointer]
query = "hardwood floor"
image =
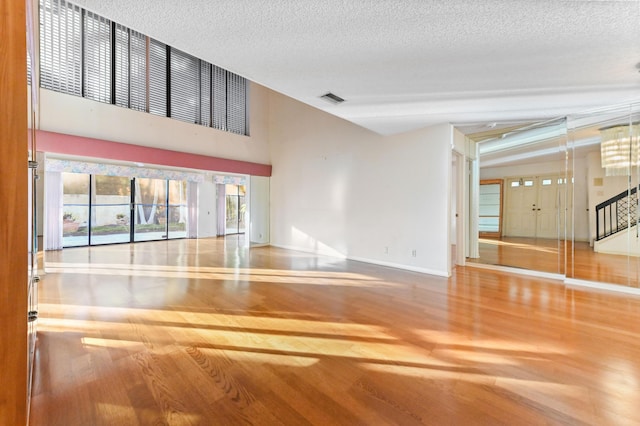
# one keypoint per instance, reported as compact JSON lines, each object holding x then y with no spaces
{"x":545,"y":255}
{"x":548,"y":255}
{"x":201,"y":332}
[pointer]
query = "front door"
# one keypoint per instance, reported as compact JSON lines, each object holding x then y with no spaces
{"x":520,"y":215}
{"x":532,"y":207}
{"x":546,"y":209}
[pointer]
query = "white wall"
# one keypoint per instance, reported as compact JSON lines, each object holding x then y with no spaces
{"x":460,"y":142}
{"x":83,"y":117}
{"x":259,"y":214}
{"x":533,"y":169}
{"x":207,"y":209}
{"x":623,"y":243}
{"x":342,"y":190}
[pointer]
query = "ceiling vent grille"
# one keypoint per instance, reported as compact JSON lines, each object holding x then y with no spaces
{"x":334,"y":99}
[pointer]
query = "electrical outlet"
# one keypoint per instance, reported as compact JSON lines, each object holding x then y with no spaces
{"x":386,"y":250}
{"x":413,"y":252}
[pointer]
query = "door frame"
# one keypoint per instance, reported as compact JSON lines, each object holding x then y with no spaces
{"x":538,"y":181}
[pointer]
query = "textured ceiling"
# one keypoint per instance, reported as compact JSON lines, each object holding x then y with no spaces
{"x":405,"y":64}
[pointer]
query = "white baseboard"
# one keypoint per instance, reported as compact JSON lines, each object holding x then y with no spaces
{"x":305,"y":250}
{"x":527,"y":272}
{"x":256,"y":245}
{"x":367,"y":260}
{"x":400,"y":266}
{"x":617,"y":288}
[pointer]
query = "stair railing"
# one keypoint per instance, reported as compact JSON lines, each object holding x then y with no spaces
{"x":615,"y":214}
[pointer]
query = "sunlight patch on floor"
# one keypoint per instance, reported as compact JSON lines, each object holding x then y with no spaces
{"x":445,"y":338}
{"x":221,"y":274}
{"x":524,"y":246}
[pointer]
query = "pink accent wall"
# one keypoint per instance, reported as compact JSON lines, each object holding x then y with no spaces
{"x":88,"y":147}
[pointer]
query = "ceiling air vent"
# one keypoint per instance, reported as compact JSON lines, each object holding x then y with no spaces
{"x":334,"y":99}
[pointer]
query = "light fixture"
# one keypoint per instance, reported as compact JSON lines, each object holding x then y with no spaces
{"x":619,"y":149}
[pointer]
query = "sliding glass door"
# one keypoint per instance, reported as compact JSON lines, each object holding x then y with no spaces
{"x":75,"y":209}
{"x":110,"y":209}
{"x":150,"y":209}
{"x":177,"y":209}
{"x":100,"y":209}
{"x":235,"y":209}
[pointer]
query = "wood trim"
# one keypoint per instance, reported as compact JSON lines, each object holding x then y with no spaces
{"x":13,"y":226}
{"x":501,"y":219}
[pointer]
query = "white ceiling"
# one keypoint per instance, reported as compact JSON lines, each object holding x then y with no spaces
{"x":406,"y":64}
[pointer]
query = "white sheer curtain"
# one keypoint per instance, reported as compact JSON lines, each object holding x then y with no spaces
{"x":192,"y":210}
{"x":221,"y":216}
{"x":53,"y":211}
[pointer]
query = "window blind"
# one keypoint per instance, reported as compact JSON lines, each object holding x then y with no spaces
{"x":82,"y":53}
{"x":97,"y":57}
{"x":121,"y":66}
{"x":185,"y":71}
{"x":236,"y":99}
{"x":219,"y":98}
{"x":137,"y":71}
{"x":205,"y":93}
{"x":157,"y":78}
{"x":60,"y":47}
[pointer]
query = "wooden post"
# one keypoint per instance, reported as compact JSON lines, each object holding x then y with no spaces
{"x":13,"y":213}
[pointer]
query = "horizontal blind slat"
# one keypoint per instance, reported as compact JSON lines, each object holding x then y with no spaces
{"x":60,"y":47}
{"x":157,"y":78}
{"x":122,"y":66}
{"x":138,"y":71}
{"x":184,"y":86}
{"x":205,"y":93}
{"x":219,"y":103}
{"x":97,"y":57}
{"x":236,"y":96}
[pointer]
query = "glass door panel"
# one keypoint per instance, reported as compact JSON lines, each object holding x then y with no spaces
{"x":177,"y":209}
{"x":150,"y":212}
{"x":232,"y":209}
{"x":75,"y":211}
{"x":242,"y":208}
{"x":235,"y":209}
{"x":111,"y":210}
{"x":604,"y":156}
{"x":528,"y":162}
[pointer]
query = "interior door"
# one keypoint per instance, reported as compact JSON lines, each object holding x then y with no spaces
{"x":521,"y":211}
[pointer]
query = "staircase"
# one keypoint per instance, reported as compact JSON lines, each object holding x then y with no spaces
{"x":616,"y":214}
